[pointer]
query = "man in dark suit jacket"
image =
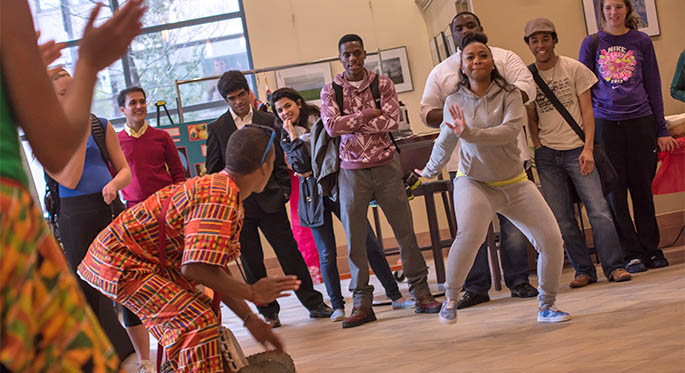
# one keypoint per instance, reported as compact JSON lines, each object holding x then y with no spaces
{"x":265,"y":210}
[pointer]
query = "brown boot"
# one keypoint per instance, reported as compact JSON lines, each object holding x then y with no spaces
{"x":358,"y":317}
{"x":620,"y":275}
{"x":580,"y":281}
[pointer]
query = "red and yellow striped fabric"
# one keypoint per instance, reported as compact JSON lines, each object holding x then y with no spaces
{"x":203,"y":224}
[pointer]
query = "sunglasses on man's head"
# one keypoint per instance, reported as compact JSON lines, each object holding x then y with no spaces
{"x":271,"y":139}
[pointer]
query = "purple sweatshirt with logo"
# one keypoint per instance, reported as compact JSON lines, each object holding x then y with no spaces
{"x":629,"y":83}
{"x":364,"y":139}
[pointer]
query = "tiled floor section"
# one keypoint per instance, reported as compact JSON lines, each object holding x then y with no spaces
{"x":636,"y":326}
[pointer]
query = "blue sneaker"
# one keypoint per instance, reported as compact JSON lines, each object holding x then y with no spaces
{"x":448,"y":312}
{"x":552,"y":314}
{"x":635,"y":266}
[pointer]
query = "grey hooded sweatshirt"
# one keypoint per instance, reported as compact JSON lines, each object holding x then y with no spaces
{"x":488,"y":151}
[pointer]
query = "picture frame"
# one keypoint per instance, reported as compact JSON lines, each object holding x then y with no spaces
{"x":646,"y":9}
{"x":434,"y":52}
{"x":449,"y":41}
{"x":395,"y":66}
{"x":439,"y":47}
{"x":307,"y":80}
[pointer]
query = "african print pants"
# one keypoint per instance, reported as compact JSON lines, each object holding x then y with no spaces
{"x":178,"y":316}
{"x":45,"y":323}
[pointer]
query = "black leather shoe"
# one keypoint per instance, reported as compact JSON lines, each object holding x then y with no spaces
{"x":274,"y":321}
{"x":321,"y":312}
{"x":470,"y":299}
{"x":524,"y":290}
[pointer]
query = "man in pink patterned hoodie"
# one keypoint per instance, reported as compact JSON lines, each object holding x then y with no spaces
{"x":370,"y":170}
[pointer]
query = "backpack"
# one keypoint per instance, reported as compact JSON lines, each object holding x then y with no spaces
{"x":338,"y":90}
{"x":97,"y":130}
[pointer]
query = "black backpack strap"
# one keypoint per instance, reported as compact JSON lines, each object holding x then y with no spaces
{"x":594,"y":45}
{"x":376,"y":93}
{"x":555,"y":101}
{"x":337,"y":89}
{"x":97,"y":129}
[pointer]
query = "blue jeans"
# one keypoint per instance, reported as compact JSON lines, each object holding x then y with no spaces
{"x":324,"y":238}
{"x":514,"y":255}
{"x":555,"y":168}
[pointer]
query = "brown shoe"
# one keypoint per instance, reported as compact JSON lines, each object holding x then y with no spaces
{"x":580,"y":281}
{"x":620,"y":275}
{"x":427,"y":304}
{"x":358,"y":317}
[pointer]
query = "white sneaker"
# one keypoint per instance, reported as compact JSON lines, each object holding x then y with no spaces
{"x":338,"y":315}
{"x":145,"y":366}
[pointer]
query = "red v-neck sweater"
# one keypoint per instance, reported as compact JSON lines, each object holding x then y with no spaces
{"x":154,"y":163}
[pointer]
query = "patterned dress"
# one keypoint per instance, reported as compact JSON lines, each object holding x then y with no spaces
{"x":45,"y":322}
{"x":203,"y":224}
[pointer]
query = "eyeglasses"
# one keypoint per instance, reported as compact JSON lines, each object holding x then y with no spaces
{"x":271,"y":139}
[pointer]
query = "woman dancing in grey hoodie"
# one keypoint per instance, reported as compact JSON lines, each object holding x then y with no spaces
{"x":487,"y":115}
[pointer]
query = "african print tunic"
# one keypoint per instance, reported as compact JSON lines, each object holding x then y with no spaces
{"x":203,"y":225}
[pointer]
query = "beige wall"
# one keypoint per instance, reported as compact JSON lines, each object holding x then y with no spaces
{"x":283,"y":32}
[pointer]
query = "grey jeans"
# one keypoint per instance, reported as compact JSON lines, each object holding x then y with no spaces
{"x":476,"y":204}
{"x":384,"y":184}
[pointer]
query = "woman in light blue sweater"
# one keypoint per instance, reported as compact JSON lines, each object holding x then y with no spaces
{"x":487,"y":115}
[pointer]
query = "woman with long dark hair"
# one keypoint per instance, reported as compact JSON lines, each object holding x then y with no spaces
{"x":487,"y":114}
{"x":296,"y":118}
{"x":630,"y":124}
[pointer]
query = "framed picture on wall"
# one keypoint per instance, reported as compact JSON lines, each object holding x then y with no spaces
{"x":449,"y":41}
{"x":440,"y":46}
{"x":646,"y":9}
{"x":308,"y":80}
{"x":395,"y":67}
{"x":434,"y":52}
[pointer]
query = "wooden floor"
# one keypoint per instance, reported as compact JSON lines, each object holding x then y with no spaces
{"x":636,"y":326}
{"x":633,"y":326}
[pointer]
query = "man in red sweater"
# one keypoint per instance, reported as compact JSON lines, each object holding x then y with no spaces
{"x":150,"y":152}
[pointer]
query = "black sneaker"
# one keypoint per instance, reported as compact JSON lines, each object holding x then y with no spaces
{"x":656,"y":262}
{"x":321,"y":312}
{"x":470,"y":299}
{"x":273,"y":320}
{"x":524,"y":290}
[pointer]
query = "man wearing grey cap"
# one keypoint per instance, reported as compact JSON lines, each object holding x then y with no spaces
{"x":561,"y":155}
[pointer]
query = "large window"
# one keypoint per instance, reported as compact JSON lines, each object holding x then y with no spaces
{"x":181,"y":39}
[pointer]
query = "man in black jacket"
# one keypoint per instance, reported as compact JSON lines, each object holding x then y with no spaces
{"x":265,"y":210}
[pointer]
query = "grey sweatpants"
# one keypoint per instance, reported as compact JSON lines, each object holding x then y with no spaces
{"x":383,"y":183}
{"x":475,"y":205}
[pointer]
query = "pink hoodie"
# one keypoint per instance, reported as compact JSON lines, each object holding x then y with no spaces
{"x":364,"y":141}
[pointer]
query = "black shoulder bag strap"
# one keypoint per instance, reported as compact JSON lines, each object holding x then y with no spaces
{"x":555,"y":101}
{"x":100,"y":138}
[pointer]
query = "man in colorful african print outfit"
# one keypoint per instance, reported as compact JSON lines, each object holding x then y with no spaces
{"x":202,"y":225}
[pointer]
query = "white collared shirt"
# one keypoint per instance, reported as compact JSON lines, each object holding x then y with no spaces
{"x":241,"y":122}
{"x":136,"y":134}
{"x":444,"y":79}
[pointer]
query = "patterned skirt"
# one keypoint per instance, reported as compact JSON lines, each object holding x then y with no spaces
{"x":45,"y":323}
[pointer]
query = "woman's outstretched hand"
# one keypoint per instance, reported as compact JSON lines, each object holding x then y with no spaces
{"x":458,"y":124}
